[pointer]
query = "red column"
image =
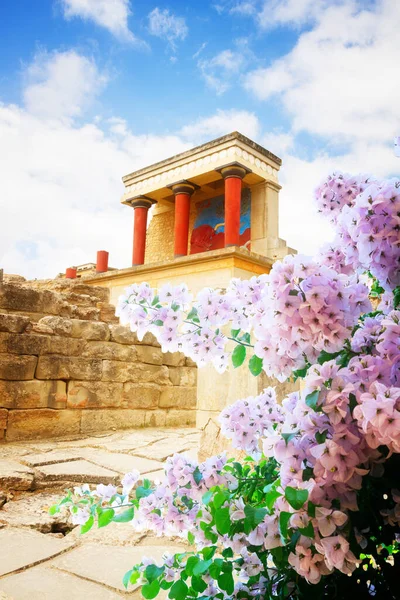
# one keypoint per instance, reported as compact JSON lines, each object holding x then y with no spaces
{"x":70,"y":273}
{"x":141,"y":208}
{"x":183,"y":192}
{"x":102,"y":261}
{"x":233,"y":176}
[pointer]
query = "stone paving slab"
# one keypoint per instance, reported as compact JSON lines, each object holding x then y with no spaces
{"x":32,"y":511}
{"x":119,"y":462}
{"x":80,"y":471}
{"x":42,"y":583}
{"x":15,"y":476}
{"x":108,"y":565}
{"x":162,"y":449}
{"x":51,"y":458}
{"x":21,"y":548}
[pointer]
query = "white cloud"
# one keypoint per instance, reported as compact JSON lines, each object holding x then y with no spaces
{"x":223,"y":122}
{"x":220,"y":70}
{"x":110,"y":14}
{"x":341,"y":80}
{"x":277,"y":142}
{"x":293,"y":12}
{"x":61,"y":85}
{"x":167,"y":26}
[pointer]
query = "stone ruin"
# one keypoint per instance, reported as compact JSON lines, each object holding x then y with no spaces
{"x":68,"y":368}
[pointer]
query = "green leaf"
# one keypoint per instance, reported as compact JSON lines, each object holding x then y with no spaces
{"x":245,"y":338}
{"x":54,"y":509}
{"x":308,"y":473}
{"x":271,"y":494}
{"x":179,"y":590}
{"x":300,"y":373}
{"x":105,"y":517}
{"x":294,"y":293}
{"x":190,"y":564}
{"x":254,"y":515}
{"x":88,"y":525}
{"x":325,"y":356}
{"x":288,"y":436}
{"x":235,"y":333}
{"x":227,"y":553}
{"x":201,"y":567}
{"x":142,"y":492}
{"x":125,"y":516}
{"x":219,"y":499}
{"x":222,"y":520}
{"x":255,"y":365}
{"x":190,"y":538}
{"x":192,"y":314}
{"x":198,"y":584}
{"x":127,"y":578}
{"x":208,"y":552}
{"x":215,"y":568}
{"x":312,"y":399}
{"x":238,"y":356}
{"x":150,"y":590}
{"x":321,"y":437}
{"x":207,"y":497}
{"x":197,"y":476}
{"x":296,"y":498}
{"x":225,"y":582}
{"x":153,"y":572}
{"x":311,"y":509}
{"x":158,"y":322}
{"x":284,"y":518}
{"x":307,"y":531}
{"x":156,"y":300}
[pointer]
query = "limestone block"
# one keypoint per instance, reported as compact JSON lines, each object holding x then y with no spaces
{"x":33,"y":394}
{"x":110,"y":351}
{"x":14,"y":476}
{"x":107,"y":313}
{"x":190,"y":362}
{"x":15,"y":296}
{"x":64,"y":367}
{"x":94,"y":394}
{"x":155,"y":418}
{"x":3,"y":418}
{"x":42,"y":423}
{"x":17,"y":368}
{"x":77,"y":299}
{"x":141,"y":395}
{"x":173,"y":359}
{"x":123,"y":335}
{"x":114,"y":370}
{"x":59,"y":325}
{"x":76,"y":286}
{"x":86,"y":313}
{"x":13,"y":323}
{"x":90,"y":330}
{"x":42,"y":329}
{"x":180,"y":418}
{"x":109,"y":419}
{"x":15,"y":343}
{"x":79,"y":471}
{"x":185,"y":376}
{"x":150,"y":355}
{"x":64,"y":346}
{"x":176,"y":397}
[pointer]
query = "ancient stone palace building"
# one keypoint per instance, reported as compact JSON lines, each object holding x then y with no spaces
{"x":203,"y":217}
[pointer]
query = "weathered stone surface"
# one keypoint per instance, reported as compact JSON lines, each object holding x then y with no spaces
{"x":64,"y":346}
{"x":13,"y":323}
{"x":180,"y":418}
{"x":14,"y":343}
{"x":190,"y":363}
{"x":107,"y":313}
{"x":25,"y":298}
{"x":14,"y":476}
{"x":150,"y":355}
{"x":94,"y":394}
{"x":174,"y":359}
{"x":80,"y":471}
{"x":110,"y":351}
{"x":136,"y":372}
{"x":75,"y":286}
{"x":65,"y":367}
{"x":155,"y":418}
{"x":3,"y":418}
{"x":85,"y":313}
{"x":59,"y":325}
{"x":140,"y":395}
{"x":40,"y":583}
{"x":51,"y":457}
{"x":97,"y":563}
{"x":178,"y":397}
{"x":21,"y":548}
{"x":185,"y":376}
{"x":17,"y":368}
{"x":108,"y":419}
{"x":161,"y":449}
{"x":122,"y":463}
{"x":90,"y":330}
{"x":33,"y":394}
{"x":42,"y":423}
{"x":123,"y":335}
{"x":77,"y":299}
{"x":32,"y":511}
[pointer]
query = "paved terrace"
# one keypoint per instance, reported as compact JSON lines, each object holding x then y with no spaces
{"x":44,"y":557}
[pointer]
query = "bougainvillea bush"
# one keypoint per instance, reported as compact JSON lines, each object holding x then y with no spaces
{"x":313,"y":510}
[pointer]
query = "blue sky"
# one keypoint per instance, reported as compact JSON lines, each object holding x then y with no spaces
{"x":93,"y":89}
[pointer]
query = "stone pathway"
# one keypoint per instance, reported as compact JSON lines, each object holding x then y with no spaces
{"x":44,"y":557}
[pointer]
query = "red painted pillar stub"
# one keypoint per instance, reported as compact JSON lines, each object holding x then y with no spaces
{"x":141,"y":207}
{"x":70,"y":273}
{"x":183,"y":191}
{"x":102,"y":261}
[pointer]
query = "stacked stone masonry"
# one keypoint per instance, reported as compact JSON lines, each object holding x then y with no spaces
{"x":67,"y":367}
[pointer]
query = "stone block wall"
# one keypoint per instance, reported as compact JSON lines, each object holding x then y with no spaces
{"x":67,"y":367}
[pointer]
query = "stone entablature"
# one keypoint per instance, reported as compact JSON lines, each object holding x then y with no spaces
{"x":68,"y":368}
{"x":213,"y":155}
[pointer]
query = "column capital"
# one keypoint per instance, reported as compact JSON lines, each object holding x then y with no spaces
{"x":140,"y":201}
{"x":183,"y":187}
{"x":233,"y":169}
